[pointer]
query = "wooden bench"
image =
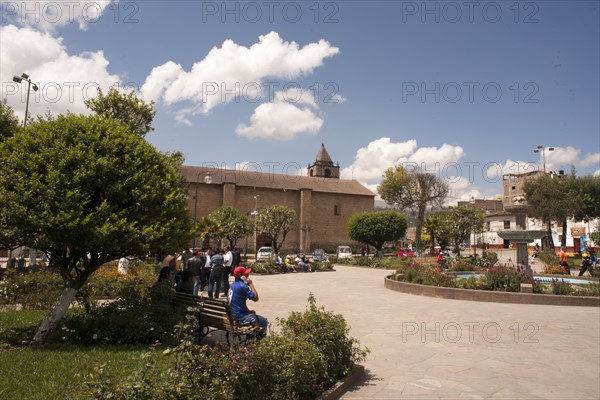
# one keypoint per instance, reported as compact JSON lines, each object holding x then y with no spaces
{"x":213,"y":315}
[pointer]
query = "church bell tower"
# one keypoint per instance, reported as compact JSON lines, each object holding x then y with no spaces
{"x":323,"y":166}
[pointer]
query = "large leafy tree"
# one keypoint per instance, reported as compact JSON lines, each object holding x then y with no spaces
{"x":457,"y":223}
{"x":276,"y":222}
{"x":88,"y":190}
{"x":9,"y":123}
{"x":412,"y":189}
{"x":586,"y":193}
{"x":127,"y":108}
{"x":232,"y":224}
{"x":377,"y":228}
{"x":551,"y":199}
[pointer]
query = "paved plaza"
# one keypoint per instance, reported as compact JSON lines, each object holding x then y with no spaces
{"x":430,"y":348}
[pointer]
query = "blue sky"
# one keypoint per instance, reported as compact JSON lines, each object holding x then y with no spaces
{"x":466,"y":90}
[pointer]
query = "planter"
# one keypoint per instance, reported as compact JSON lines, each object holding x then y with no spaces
{"x":488,"y":295}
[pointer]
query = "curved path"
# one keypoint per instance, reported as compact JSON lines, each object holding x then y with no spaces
{"x":429,"y":348}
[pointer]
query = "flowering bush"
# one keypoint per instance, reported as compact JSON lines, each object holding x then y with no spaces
{"x":561,"y":287}
{"x":33,"y":289}
{"x":427,"y":275}
{"x":554,"y":270}
{"x":313,"y":352}
{"x":505,"y":278}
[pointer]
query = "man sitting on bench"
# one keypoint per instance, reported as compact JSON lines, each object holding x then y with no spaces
{"x":240,"y":291}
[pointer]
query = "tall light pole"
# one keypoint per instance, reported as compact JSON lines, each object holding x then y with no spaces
{"x":255,"y":213}
{"x":542,"y":149}
{"x":30,"y":85}
{"x":208,"y":181}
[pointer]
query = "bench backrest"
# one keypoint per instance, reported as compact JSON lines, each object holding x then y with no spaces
{"x":217,"y":313}
{"x":212,"y":312}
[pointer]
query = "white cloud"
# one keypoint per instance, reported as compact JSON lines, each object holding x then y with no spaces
{"x":233,"y":71}
{"x":280,"y":120}
{"x":49,"y":15}
{"x":370,"y":162}
{"x":297,"y":95}
{"x":64,"y":80}
{"x":461,"y":190}
{"x":562,"y":158}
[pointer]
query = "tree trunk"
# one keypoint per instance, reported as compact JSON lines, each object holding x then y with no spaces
{"x":563,"y":240}
{"x":419,"y":228}
{"x":550,"y":238}
{"x":56,"y":314}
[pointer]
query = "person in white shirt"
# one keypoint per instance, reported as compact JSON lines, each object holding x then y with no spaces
{"x":205,"y":272}
{"x":123,"y":266}
{"x":227,"y":264}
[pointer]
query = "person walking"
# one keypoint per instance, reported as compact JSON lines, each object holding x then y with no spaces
{"x":227,"y":265}
{"x":195,"y":265}
{"x":216,"y":274}
{"x":241,"y":290}
{"x":563,"y":260}
{"x":205,"y":271}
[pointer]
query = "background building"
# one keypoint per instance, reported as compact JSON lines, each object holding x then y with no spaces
{"x":323,"y":202}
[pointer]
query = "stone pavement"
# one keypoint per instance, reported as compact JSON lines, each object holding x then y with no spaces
{"x":429,"y":348}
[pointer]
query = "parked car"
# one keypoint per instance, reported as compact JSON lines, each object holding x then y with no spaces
{"x":405,"y":252}
{"x":344,"y":252}
{"x":319,"y":255}
{"x":265,"y":253}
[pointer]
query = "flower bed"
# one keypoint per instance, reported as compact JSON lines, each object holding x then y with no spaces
{"x":499,"y":283}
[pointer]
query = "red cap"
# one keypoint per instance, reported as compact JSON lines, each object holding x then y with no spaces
{"x":239,"y":271}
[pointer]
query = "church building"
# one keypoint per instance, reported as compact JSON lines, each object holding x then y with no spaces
{"x":322,"y":201}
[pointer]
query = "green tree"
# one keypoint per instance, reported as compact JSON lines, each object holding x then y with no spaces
{"x":232,"y":224}
{"x":414,"y":190}
{"x":377,"y":228}
{"x":9,"y":123}
{"x":275,"y":222}
{"x":86,"y":190}
{"x":586,"y":193}
{"x":128,"y":109}
{"x":433,"y":224}
{"x":595,"y":237}
{"x":457,"y":223}
{"x":551,"y":199}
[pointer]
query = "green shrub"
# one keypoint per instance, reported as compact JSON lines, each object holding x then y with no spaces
{"x":554,"y":270}
{"x":329,"y":333}
{"x":505,"y":278}
{"x":137,"y":317}
{"x":312,"y":353}
{"x":40,"y":288}
{"x":560,"y":287}
{"x":549,"y":257}
{"x":427,"y":275}
{"x":33,"y":289}
{"x":592,"y":289}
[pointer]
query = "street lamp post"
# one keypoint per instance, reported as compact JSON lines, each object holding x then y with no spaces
{"x":30,"y":85}
{"x":542,"y":149}
{"x":255,"y":213}
{"x":208,"y":181}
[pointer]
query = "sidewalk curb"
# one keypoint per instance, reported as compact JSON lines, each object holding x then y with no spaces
{"x":340,"y":388}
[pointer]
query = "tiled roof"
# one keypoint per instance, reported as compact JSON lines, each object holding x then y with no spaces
{"x":274,"y":181}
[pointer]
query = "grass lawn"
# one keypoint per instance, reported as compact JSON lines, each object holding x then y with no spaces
{"x":50,"y":371}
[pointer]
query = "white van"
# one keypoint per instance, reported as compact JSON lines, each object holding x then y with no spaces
{"x":265,"y":253}
{"x":344,"y":252}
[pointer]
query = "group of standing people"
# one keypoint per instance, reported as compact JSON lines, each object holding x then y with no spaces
{"x":211,"y":270}
{"x":208,"y":269}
